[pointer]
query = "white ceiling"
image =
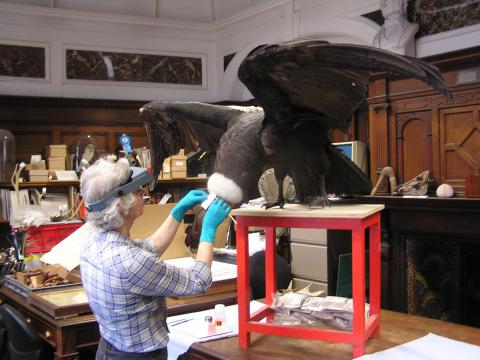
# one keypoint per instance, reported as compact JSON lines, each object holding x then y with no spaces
{"x":204,"y":11}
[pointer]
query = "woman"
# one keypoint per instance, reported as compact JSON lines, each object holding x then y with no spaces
{"x":125,"y":280}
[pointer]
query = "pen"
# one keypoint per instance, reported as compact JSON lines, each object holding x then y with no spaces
{"x":174,"y":323}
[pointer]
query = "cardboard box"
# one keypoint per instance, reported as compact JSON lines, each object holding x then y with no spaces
{"x":182,"y":174}
{"x":56,"y":151}
{"x":175,"y":167}
{"x":154,"y":215}
{"x":38,"y":175}
{"x":178,"y":162}
{"x":166,"y":169}
{"x":174,"y":174}
{"x":39,"y":166}
{"x":56,"y":163}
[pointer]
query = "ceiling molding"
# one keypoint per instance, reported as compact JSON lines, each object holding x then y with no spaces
{"x":103,"y":17}
{"x":155,"y":20}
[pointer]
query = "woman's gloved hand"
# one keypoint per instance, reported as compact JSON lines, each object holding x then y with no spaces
{"x":216,"y":213}
{"x":193,"y":198}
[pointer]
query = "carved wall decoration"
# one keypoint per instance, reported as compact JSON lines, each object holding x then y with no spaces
{"x":410,"y":105}
{"x":435,"y":16}
{"x":118,"y":66}
{"x":22,"y":61}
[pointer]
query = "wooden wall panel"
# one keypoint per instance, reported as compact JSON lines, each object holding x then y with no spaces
{"x":37,"y":122}
{"x":31,"y":142}
{"x":413,"y":144}
{"x":459,"y":144}
{"x":414,"y":128}
{"x":82,"y":136}
{"x":137,"y":138}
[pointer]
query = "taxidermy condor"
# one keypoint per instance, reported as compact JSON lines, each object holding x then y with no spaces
{"x":305,"y":89}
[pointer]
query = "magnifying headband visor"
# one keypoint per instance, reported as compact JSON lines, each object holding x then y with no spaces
{"x":136,"y":178}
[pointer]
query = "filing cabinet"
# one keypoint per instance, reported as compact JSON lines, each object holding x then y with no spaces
{"x":309,"y":258}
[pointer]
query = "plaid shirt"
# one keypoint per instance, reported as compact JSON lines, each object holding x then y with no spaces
{"x":126,"y":284}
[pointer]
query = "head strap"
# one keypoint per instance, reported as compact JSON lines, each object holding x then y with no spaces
{"x":136,"y":178}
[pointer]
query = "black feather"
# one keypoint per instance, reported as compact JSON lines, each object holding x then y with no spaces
{"x":306,"y":88}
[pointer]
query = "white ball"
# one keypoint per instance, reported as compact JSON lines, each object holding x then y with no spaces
{"x":444,"y":191}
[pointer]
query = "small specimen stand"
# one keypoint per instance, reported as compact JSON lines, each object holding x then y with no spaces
{"x":356,"y":218}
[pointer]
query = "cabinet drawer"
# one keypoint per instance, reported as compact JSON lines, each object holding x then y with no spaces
{"x":299,"y":284}
{"x":309,"y":261}
{"x":45,"y":330}
{"x":312,"y":236}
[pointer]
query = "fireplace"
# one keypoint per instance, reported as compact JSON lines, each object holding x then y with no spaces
{"x":431,"y":257}
{"x":434,"y":278}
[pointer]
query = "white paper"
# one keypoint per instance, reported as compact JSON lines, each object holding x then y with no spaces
{"x":226,"y":251}
{"x":220,"y":270}
{"x":201,"y":330}
{"x":212,"y":196}
{"x":180,"y":341}
{"x":165,"y":199}
{"x":429,"y":347}
{"x":66,"y":175}
{"x":67,"y":252}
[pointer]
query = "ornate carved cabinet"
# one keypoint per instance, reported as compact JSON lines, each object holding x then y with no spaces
{"x":414,"y":128}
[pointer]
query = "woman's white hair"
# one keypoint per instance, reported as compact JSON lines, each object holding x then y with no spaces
{"x":99,"y":180}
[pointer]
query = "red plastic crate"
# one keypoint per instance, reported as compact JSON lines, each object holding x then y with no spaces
{"x":42,"y":238}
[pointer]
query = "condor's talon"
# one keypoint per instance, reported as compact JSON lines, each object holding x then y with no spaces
{"x":319,"y":201}
{"x":273,"y":204}
{"x":280,"y":203}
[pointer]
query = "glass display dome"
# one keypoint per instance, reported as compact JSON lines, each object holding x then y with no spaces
{"x":7,"y":155}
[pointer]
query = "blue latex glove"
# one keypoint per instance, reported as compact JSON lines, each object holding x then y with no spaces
{"x":216,"y":213}
{"x":193,"y":198}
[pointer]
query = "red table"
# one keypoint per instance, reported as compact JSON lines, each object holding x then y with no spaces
{"x":356,"y":218}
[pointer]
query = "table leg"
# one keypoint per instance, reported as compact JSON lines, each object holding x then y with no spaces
{"x":358,"y":290}
{"x":243,"y":284}
{"x":66,"y":344}
{"x":270,"y":264}
{"x":375,"y":272}
{"x":73,"y":356}
{"x":270,"y":267}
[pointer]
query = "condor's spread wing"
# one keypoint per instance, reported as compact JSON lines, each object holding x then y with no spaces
{"x":171,"y":126}
{"x":313,"y":80}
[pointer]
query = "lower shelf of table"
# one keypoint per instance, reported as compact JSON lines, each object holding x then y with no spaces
{"x":314,"y":333}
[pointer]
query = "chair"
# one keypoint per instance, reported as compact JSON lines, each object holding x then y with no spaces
{"x":23,"y":342}
{"x":257,"y":274}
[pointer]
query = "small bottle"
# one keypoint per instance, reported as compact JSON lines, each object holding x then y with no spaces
{"x":210,"y":325}
{"x":219,"y":315}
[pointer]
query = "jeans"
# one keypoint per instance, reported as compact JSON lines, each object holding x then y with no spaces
{"x":106,"y":351}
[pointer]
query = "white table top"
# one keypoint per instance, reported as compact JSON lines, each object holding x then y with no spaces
{"x":351,"y":211}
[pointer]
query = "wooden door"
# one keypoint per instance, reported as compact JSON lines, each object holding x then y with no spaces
{"x":459,"y":139}
{"x":412,"y":145}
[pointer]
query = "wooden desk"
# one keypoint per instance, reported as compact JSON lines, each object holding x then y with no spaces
{"x":70,"y":335}
{"x":397,"y":328}
{"x":357,"y":219}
